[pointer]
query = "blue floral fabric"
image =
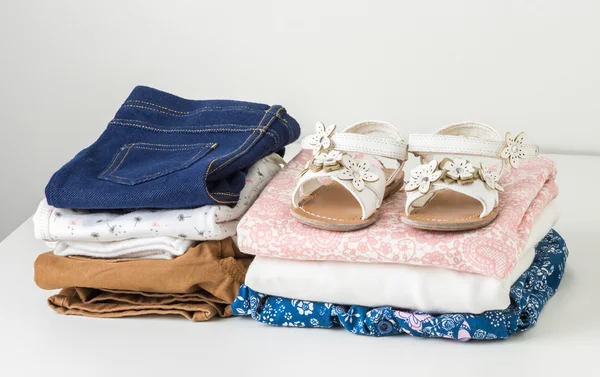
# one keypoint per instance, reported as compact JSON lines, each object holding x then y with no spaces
{"x":528,"y":296}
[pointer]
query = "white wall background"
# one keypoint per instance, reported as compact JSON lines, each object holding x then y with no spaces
{"x":66,"y":66}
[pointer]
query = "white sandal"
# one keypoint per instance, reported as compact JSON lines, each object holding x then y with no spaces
{"x":451,"y":193}
{"x":340,"y":193}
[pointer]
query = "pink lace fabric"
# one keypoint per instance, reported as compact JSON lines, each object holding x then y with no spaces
{"x":269,"y":229}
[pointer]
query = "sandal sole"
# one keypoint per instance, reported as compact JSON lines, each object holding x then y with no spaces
{"x":310,"y":218}
{"x":448,"y":227}
{"x":449,"y":211}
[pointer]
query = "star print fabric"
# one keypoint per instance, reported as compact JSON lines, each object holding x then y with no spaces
{"x":145,"y":247}
{"x":112,"y":235}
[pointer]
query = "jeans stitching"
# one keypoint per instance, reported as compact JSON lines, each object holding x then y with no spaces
{"x":210,"y":125}
{"x":275,"y":138}
{"x":192,"y":146}
{"x":225,"y":193}
{"x":157,"y":173}
{"x":287,"y":126}
{"x":188,"y":114}
{"x":169,"y":149}
{"x":113,"y":161}
{"x":235,"y":151}
{"x":240,"y":147}
{"x":167,"y":146}
{"x":211,"y":163}
{"x":123,"y":159}
{"x":273,"y":135}
{"x":262,"y":130}
{"x":159,"y":106}
{"x":244,"y":151}
{"x":184,"y":130}
{"x":191,"y":112}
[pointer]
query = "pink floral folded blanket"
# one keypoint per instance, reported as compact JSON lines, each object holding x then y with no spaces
{"x":269,"y":229}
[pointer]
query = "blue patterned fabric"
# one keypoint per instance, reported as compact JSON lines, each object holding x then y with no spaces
{"x":528,"y":296}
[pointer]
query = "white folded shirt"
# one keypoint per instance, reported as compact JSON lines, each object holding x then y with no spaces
{"x":147,"y":248}
{"x":212,"y":222}
{"x":426,"y":289}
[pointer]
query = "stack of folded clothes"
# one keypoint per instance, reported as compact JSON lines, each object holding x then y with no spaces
{"x":144,"y":220}
{"x":390,"y":278}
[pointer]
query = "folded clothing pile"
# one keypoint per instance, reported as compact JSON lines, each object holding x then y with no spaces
{"x":144,"y":220}
{"x":485,"y":283}
{"x":198,"y":285}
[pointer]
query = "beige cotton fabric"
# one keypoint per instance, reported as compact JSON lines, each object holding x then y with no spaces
{"x":199,"y":285}
{"x":100,"y":303}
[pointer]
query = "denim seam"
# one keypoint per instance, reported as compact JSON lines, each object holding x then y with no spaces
{"x":235,"y":151}
{"x":278,"y":117}
{"x":262,"y":129}
{"x":169,"y":149}
{"x":113,"y":161}
{"x":183,"y":130}
{"x":287,"y":126}
{"x":180,"y":115}
{"x":225,"y":193}
{"x":274,"y":137}
{"x":123,"y":148}
{"x":123,"y":159}
{"x":191,"y":146}
{"x":158,"y":173}
{"x":244,"y":126}
{"x":159,"y":106}
{"x":249,"y":136}
{"x":191,"y":112}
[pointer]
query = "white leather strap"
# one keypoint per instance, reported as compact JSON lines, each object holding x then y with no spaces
{"x":378,"y":146}
{"x":466,"y":139}
{"x":371,"y":137}
{"x":478,"y":190}
{"x":370,"y":198}
{"x":428,"y":143}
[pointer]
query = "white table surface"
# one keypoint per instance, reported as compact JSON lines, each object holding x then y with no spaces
{"x":35,"y":341}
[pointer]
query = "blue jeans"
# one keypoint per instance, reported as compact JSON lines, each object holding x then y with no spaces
{"x":528,"y":296}
{"x":162,"y":151}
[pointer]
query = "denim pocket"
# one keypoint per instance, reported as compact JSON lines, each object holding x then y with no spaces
{"x":141,"y":162}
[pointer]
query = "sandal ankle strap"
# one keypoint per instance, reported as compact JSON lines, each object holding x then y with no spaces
{"x":473,"y":139}
{"x":370,"y":137}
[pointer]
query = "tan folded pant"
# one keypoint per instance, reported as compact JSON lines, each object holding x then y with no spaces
{"x":200,"y":284}
{"x":88,"y":302}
